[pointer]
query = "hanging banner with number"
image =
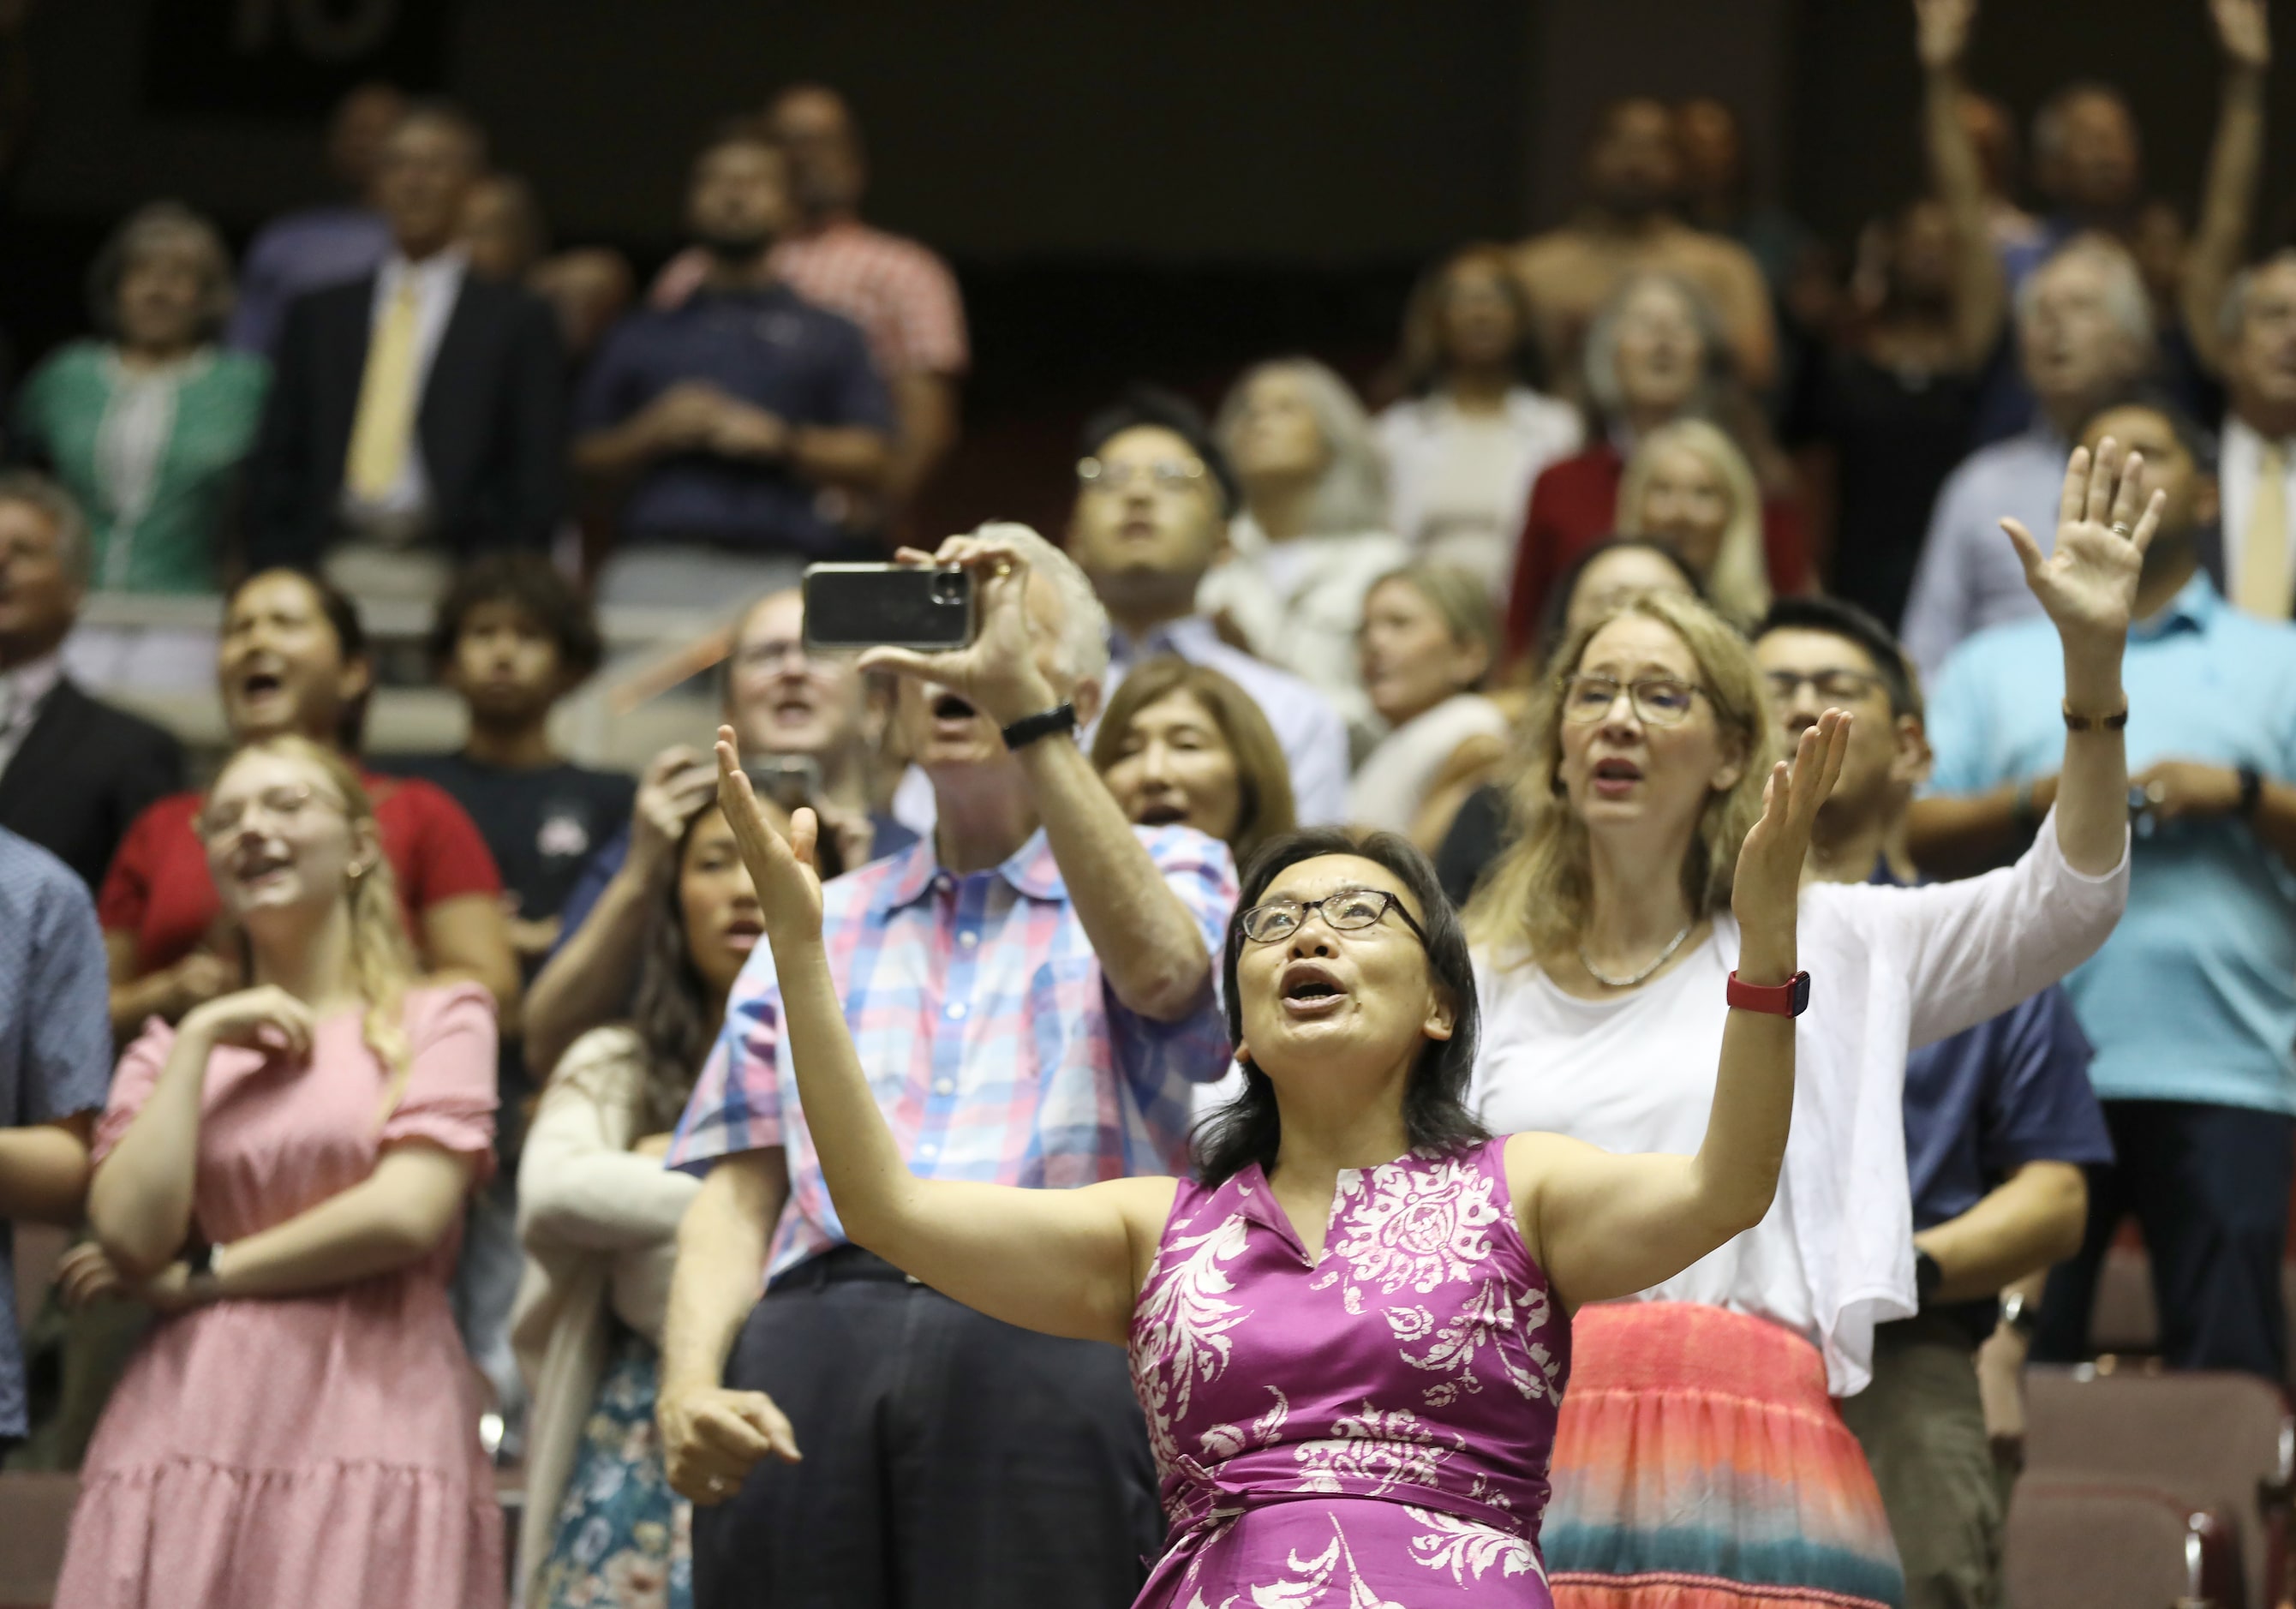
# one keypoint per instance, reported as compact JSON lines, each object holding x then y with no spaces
{"x":288,"y":59}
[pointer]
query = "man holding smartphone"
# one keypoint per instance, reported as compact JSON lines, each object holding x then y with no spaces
{"x":1032,"y":991}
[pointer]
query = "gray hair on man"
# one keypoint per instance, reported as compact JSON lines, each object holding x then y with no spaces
{"x":1084,"y":620}
{"x":1599,"y":357}
{"x":2124,"y":284}
{"x":35,"y":490}
{"x":2234,"y":313}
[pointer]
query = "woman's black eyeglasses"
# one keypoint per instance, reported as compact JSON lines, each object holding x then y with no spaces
{"x":1348,"y":911}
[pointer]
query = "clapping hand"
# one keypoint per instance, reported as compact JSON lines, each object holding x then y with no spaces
{"x":997,"y":672}
{"x":2087,"y":584}
{"x":1766,"y":893}
{"x":789,"y":888}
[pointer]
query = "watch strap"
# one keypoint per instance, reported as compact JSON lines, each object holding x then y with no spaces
{"x":2114,"y":722}
{"x":2251,"y":792}
{"x":1789,"y":998}
{"x":1029,"y":728}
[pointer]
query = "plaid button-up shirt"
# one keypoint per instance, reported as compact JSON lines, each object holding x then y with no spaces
{"x":990,"y":1037}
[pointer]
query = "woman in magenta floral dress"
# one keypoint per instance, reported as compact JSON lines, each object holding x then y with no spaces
{"x":1351,"y":1338}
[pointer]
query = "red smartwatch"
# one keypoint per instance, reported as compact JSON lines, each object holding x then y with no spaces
{"x":1789,"y":998}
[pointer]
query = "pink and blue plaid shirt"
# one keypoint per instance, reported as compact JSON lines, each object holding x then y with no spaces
{"x":993,"y":1045}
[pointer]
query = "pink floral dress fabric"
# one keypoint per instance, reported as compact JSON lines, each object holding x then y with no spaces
{"x":1369,"y":1430}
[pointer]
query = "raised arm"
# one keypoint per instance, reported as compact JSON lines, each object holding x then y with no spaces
{"x":2235,"y":164}
{"x":1604,"y":1225}
{"x":1151,"y":949}
{"x":1979,"y":291}
{"x":1067,"y":1262}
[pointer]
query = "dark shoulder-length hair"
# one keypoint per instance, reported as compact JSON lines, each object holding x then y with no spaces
{"x":1435,"y":1116}
{"x":1421,"y":363}
{"x":1263,"y":776}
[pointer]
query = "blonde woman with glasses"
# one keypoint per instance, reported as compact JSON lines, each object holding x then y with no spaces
{"x":282,"y":1177}
{"x":1700,"y":1441}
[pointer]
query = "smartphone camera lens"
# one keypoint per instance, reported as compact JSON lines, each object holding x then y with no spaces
{"x":949,"y":588}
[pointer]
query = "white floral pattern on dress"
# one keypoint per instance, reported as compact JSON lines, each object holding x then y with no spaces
{"x":1410,"y":1228}
{"x":1464,"y":1547}
{"x":1309,"y":1580}
{"x":1180,"y":1326}
{"x":1382,"y":1450}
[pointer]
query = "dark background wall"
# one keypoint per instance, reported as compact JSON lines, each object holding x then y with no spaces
{"x":1170,"y":189}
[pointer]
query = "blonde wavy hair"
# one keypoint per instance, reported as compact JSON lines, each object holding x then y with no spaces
{"x":1539,"y":898}
{"x":1738,"y":585}
{"x":382,"y":960}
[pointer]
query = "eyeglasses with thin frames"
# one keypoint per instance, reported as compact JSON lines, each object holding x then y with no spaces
{"x":1834,"y":685}
{"x":1351,"y":910}
{"x":286,"y":804}
{"x":1660,"y":700}
{"x":1164,"y":475}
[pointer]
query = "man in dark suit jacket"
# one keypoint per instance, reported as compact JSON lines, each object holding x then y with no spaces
{"x":73,"y":772}
{"x":417,"y":405}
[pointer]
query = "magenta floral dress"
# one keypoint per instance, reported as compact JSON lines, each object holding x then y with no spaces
{"x":1368,"y":1431}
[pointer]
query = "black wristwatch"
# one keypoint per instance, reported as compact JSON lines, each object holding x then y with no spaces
{"x":1029,"y":728}
{"x":2251,"y":792}
{"x":1927,"y":1276}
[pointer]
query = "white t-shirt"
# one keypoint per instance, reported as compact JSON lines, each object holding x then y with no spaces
{"x":1892,"y":969}
{"x":1636,"y":1074}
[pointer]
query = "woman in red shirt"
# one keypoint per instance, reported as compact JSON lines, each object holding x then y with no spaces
{"x":1656,"y":353}
{"x":294,"y":659}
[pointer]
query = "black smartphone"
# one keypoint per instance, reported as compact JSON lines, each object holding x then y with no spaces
{"x":789,"y":780}
{"x":888,"y":605}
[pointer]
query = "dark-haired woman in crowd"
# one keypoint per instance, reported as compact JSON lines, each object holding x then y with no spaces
{"x":1599,"y":580}
{"x":1181,"y":745}
{"x":1350,"y":1333}
{"x":1465,"y":444}
{"x":1656,"y":353}
{"x":282,"y":1177}
{"x":1702,"y":1444}
{"x":599,"y":1215}
{"x":294,"y":659}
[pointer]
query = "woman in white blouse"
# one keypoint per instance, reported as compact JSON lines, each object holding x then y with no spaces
{"x":1429,"y":635}
{"x":599,"y":1215}
{"x":1601,"y":943}
{"x":1463,"y":447}
{"x":1313,"y":533}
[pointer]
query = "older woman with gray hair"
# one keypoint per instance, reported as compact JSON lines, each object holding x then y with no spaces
{"x":1313,"y":533}
{"x":147,"y":422}
{"x":1656,"y":353}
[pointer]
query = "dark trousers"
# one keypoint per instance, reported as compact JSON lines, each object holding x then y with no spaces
{"x":950,"y":1460}
{"x":2209,"y":1188}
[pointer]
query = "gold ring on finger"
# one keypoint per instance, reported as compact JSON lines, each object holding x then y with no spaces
{"x":2121,"y":530}
{"x":1003,"y":569}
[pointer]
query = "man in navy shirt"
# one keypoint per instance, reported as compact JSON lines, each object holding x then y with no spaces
{"x":746,"y":423}
{"x":1999,"y":1119}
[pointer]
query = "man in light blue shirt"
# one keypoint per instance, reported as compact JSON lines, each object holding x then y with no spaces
{"x":2192,"y":1002}
{"x":2084,"y":334}
{"x":1154,"y":496}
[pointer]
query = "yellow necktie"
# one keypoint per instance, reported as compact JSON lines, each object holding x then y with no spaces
{"x":386,"y":405}
{"x":2262,"y":586}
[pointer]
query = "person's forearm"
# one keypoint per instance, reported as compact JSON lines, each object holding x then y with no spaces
{"x":588,"y":981}
{"x":2030,"y":1220}
{"x":1149,"y":946}
{"x":1736,"y":1168}
{"x":721,"y":1262}
{"x":2093,"y":786}
{"x":396,"y":1216}
{"x":868,"y":1180}
{"x":43,"y":1174}
{"x":591,"y":1199}
{"x":140,"y":1201}
{"x":2275,"y":820}
{"x":840,"y":455}
{"x":621,"y":450}
{"x":927,"y":406}
{"x":1979,"y":295}
{"x":2227,"y":209}
{"x":1960,"y":835}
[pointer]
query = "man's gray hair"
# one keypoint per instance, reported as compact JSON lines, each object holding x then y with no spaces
{"x":2234,"y":312}
{"x":1600,"y":357}
{"x":2124,"y":285}
{"x":1084,"y":621}
{"x":35,"y":490}
{"x":1352,"y":496}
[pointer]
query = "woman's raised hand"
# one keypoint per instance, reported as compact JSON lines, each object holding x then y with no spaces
{"x":2087,"y":584}
{"x":789,"y":888}
{"x":1767,"y":890}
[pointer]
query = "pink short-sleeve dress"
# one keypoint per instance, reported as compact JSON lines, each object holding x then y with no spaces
{"x":309,"y":1450}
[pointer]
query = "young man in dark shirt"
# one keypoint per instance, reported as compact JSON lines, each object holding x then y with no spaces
{"x":512,"y":638}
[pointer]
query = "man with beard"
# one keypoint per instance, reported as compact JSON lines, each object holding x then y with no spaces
{"x":1634,"y":180}
{"x":744,"y":425}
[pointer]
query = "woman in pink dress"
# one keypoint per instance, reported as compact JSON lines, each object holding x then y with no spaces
{"x":282,"y":1176}
{"x":1351,"y":1335}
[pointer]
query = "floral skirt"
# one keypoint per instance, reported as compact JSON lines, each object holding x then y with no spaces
{"x":1699,"y":1463}
{"x":624,"y":1539}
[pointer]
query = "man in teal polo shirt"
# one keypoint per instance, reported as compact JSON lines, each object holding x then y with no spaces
{"x":2192,"y":1002}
